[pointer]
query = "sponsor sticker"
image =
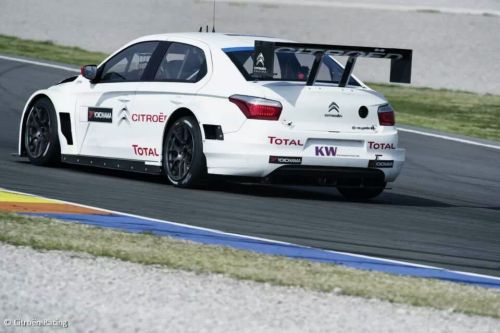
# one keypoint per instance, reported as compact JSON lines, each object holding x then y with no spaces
{"x":364,"y":128}
{"x":100,"y":115}
{"x":376,"y":53}
{"x":325,"y":151}
{"x":149,"y":118}
{"x":329,"y":151}
{"x":284,"y":141}
{"x":144,"y":151}
{"x":380,"y":145}
{"x":285,"y":160}
{"x":380,"y":164}
{"x":263,"y":59}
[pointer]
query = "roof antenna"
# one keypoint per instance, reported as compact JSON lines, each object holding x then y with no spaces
{"x":201,"y":29}
{"x":213,"y":19}
{"x":206,"y":30}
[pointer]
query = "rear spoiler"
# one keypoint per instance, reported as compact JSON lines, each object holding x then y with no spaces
{"x":400,"y":59}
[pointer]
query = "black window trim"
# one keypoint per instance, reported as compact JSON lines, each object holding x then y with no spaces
{"x":153,"y":63}
{"x":146,"y":70}
{"x":179,"y":81}
{"x":250,"y":78}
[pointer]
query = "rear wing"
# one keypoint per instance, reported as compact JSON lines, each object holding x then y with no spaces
{"x":400,"y":59}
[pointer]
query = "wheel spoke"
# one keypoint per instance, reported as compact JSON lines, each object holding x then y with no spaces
{"x":38,"y":146}
{"x":178,"y":136}
{"x":38,"y":131}
{"x":179,"y":152}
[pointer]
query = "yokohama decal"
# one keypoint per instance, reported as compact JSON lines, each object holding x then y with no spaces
{"x":100,"y":115}
{"x":380,"y":164}
{"x":285,"y":160}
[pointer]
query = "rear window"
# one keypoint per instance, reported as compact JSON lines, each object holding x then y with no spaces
{"x":290,"y":66}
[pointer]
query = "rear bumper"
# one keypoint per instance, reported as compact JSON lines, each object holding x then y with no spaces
{"x":247,"y":153}
{"x":327,"y":176}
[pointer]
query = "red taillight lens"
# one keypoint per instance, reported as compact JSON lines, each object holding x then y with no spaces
{"x":386,"y":115}
{"x":257,"y":108}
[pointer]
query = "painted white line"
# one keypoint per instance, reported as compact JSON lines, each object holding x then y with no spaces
{"x":39,"y":63}
{"x":254,"y":238}
{"x":372,"y":6}
{"x":450,"y":138}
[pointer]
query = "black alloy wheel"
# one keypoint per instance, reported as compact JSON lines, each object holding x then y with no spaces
{"x":183,"y":160}
{"x":40,"y":134}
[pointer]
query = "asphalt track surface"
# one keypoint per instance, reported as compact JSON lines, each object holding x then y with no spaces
{"x":444,"y":209}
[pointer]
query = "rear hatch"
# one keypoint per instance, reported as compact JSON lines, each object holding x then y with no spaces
{"x":325,"y":108}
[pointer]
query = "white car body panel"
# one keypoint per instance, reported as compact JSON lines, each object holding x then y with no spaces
{"x":142,"y":109}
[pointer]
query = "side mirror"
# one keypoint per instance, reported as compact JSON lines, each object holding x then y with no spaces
{"x":89,"y":72}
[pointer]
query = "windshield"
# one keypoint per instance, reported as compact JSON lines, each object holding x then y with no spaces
{"x":290,"y":66}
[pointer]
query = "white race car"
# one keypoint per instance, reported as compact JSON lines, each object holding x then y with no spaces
{"x":190,"y":105}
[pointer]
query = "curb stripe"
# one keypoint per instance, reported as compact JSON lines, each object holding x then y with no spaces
{"x":138,"y":224}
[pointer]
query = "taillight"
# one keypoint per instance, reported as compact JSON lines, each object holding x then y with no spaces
{"x":386,"y":115}
{"x":257,"y":108}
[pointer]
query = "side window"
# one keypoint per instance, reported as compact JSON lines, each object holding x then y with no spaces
{"x":129,"y":64}
{"x":182,"y":63}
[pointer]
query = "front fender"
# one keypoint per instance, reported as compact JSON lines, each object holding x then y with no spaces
{"x":60,"y":100}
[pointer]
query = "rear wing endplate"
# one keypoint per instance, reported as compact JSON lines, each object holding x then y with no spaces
{"x":263,"y":58}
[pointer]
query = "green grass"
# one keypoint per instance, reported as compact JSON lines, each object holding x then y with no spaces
{"x":450,"y":111}
{"x":47,"y":50}
{"x":148,"y":249}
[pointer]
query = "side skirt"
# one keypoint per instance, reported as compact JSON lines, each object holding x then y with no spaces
{"x":112,"y":163}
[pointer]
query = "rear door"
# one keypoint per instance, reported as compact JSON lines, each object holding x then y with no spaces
{"x":103,"y":107}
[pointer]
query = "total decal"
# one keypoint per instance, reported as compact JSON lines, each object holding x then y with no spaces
{"x":380,"y":145}
{"x":149,"y":118}
{"x":145,"y":151}
{"x":284,"y":141}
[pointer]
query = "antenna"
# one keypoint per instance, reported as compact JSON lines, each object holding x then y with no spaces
{"x":206,"y":29}
{"x":213,"y":19}
{"x":201,"y":29}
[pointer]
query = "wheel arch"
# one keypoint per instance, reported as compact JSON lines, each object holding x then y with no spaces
{"x":177,"y":114}
{"x":33,"y":99}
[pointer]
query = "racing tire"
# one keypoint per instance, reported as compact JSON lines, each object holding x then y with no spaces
{"x":362,"y":193}
{"x":184,"y":163}
{"x":41,"y":139}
